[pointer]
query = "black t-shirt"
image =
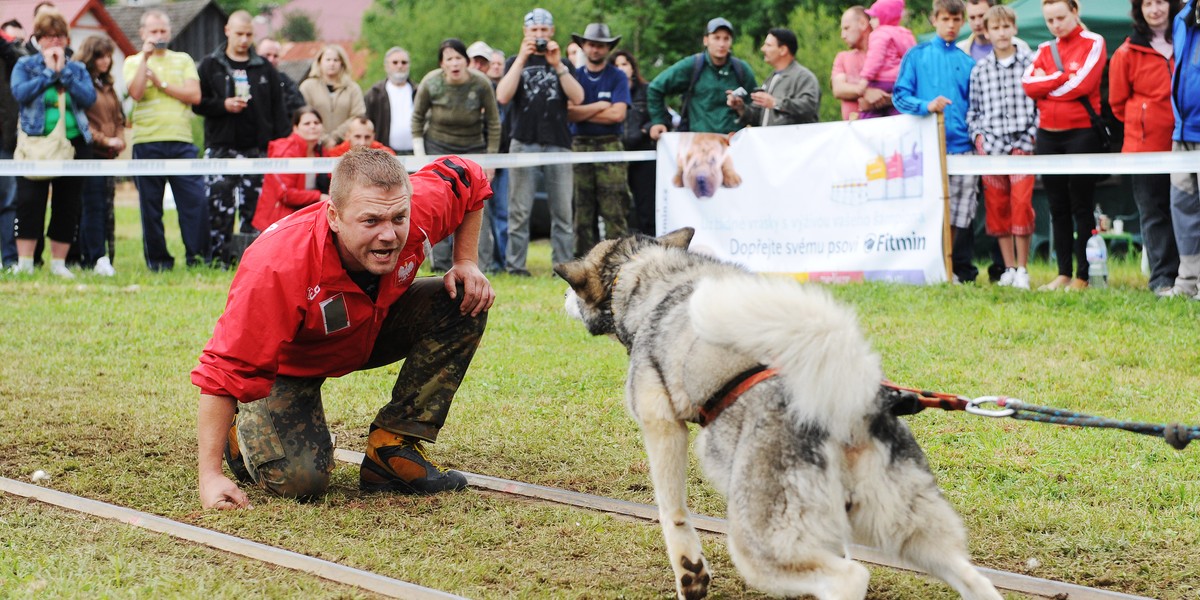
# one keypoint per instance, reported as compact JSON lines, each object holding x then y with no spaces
{"x":538,"y":111}
{"x":246,"y":130}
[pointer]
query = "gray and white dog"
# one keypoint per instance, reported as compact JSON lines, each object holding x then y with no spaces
{"x":809,"y":459}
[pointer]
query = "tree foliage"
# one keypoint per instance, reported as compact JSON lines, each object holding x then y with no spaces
{"x":298,"y":26}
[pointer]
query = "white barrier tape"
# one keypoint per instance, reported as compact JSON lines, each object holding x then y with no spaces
{"x":259,"y":166}
{"x":1057,"y":164}
{"x":1136,"y":163}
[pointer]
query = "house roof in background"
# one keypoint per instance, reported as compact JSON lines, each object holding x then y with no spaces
{"x":22,"y":10}
{"x":336,"y":21}
{"x":181,"y":13}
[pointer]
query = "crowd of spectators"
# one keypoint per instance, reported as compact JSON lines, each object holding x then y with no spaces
{"x":999,"y":97}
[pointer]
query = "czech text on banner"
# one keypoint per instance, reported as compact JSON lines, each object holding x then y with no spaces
{"x":829,"y":202}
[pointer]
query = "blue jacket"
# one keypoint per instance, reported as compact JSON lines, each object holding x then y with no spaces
{"x":30,"y":79}
{"x":937,"y":68}
{"x":1185,"y":83}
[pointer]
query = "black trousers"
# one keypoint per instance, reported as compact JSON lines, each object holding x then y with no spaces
{"x":66,"y":203}
{"x":1071,"y":198}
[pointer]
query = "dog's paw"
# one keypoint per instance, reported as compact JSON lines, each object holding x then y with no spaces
{"x":730,"y":178}
{"x":693,"y":583}
{"x":677,"y":181}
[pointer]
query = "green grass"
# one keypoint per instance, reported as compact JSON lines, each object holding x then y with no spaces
{"x":94,"y":389}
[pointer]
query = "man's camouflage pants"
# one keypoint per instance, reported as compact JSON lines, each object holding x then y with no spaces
{"x":601,"y":190}
{"x":229,"y":195}
{"x":284,"y":438}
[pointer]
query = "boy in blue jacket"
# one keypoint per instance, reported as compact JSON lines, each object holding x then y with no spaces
{"x":936,"y":77}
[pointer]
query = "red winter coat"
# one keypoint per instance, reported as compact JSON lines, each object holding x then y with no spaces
{"x":1139,"y":91}
{"x":1083,"y":58}
{"x":284,"y":193}
{"x":275,"y":320}
{"x":345,"y":147}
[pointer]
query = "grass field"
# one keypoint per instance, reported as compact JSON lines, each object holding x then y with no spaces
{"x":94,"y":390}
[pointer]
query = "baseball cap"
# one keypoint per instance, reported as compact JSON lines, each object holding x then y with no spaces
{"x":479,"y":49}
{"x":718,"y":23}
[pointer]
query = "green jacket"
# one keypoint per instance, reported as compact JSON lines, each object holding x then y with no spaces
{"x":708,"y":111}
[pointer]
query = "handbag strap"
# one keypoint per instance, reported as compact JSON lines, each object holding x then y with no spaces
{"x":1082,"y":99}
{"x":61,"y":125}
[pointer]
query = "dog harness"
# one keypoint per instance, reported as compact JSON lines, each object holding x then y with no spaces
{"x":730,"y":392}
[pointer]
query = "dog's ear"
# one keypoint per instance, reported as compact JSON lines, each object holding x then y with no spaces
{"x":574,"y":273}
{"x":680,"y":238}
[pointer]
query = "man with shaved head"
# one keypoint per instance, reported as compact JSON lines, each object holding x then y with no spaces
{"x":242,"y":103}
{"x":271,"y":50}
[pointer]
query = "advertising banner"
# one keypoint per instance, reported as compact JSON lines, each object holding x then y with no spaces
{"x":830,"y":202}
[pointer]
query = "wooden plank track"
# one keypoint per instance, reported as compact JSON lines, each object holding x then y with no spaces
{"x":1015,"y":582}
{"x":332,"y":571}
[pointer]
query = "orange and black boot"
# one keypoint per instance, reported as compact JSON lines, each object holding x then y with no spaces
{"x":233,"y":457}
{"x":396,"y":463}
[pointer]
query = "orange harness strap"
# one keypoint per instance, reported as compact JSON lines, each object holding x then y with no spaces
{"x":727,"y":395}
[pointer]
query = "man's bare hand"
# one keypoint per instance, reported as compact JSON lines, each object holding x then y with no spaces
{"x":218,"y":491}
{"x":656,"y":131}
{"x":478,"y":294}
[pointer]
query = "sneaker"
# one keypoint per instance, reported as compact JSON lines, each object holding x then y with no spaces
{"x":104,"y":267}
{"x":1007,"y":278}
{"x":62,"y":271}
{"x":233,"y":457}
{"x":19,"y":269}
{"x":1021,"y":279}
{"x":395,"y":463}
{"x":1176,"y":292}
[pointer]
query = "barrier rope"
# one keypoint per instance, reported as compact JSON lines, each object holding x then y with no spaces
{"x":909,"y":401}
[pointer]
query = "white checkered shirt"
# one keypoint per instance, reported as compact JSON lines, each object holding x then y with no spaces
{"x":1000,"y":111}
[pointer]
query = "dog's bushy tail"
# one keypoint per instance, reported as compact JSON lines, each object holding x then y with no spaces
{"x":813,"y":341}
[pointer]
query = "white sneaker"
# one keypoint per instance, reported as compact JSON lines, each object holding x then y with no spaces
{"x":17,"y":269}
{"x":104,"y":267}
{"x":1176,"y":292}
{"x":62,"y":271}
{"x":1021,"y":279}
{"x":1007,"y":278}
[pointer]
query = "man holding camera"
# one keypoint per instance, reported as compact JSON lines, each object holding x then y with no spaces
{"x":704,"y":80}
{"x":164,"y":85}
{"x":601,"y":189}
{"x":241,"y":100}
{"x":537,"y":85}
{"x":791,"y":95}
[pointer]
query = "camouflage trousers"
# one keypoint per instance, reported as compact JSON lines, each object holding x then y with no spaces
{"x":284,"y":438}
{"x":601,"y":192}
{"x":227,"y":196}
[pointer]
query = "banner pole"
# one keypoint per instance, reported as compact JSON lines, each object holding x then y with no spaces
{"x":947,"y":238}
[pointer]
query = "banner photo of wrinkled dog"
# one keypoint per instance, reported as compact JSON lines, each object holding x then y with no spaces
{"x":830,"y":202}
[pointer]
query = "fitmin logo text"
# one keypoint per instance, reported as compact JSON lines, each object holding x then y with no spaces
{"x":886,"y":242}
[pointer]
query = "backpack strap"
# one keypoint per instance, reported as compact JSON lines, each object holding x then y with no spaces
{"x":1082,"y":99}
{"x":697,"y":67}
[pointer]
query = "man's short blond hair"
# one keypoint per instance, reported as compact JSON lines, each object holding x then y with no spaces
{"x":366,"y":167}
{"x":999,"y":14}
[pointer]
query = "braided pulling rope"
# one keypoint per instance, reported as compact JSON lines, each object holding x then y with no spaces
{"x":1175,"y":434}
{"x":910,"y":401}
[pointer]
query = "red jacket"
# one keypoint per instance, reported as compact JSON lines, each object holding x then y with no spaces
{"x":275,"y":320}
{"x":284,"y":193}
{"x":1083,"y":58}
{"x":344,"y":147}
{"x":1139,"y":91}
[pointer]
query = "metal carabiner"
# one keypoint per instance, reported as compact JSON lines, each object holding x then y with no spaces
{"x":973,"y":407}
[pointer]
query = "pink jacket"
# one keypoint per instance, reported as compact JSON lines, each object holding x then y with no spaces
{"x":885,"y":49}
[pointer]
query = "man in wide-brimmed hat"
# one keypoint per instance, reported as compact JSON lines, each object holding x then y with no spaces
{"x":597,"y":122}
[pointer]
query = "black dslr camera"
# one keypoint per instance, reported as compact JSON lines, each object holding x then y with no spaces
{"x":539,"y":45}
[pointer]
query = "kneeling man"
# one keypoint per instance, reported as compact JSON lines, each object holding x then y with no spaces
{"x":332,"y":289}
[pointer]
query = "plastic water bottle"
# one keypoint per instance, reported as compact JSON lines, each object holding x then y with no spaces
{"x":1097,"y":257}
